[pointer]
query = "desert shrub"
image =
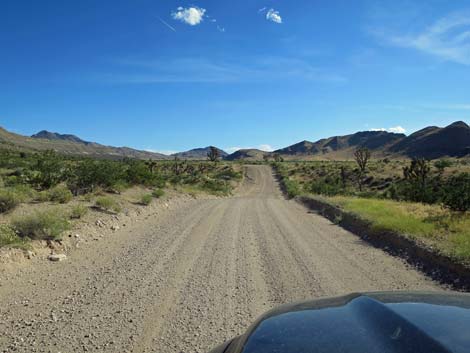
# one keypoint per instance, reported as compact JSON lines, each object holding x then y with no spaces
{"x":159,"y":181}
{"x":49,"y":170}
{"x":146,"y":199}
{"x":48,"y":224}
{"x":119,"y":187}
{"x":442,"y":164}
{"x":8,"y":200}
{"x":457,"y":193}
{"x":418,"y":185}
{"x":325,"y":188}
{"x":107,"y":203}
{"x":87,"y":175}
{"x":291,"y":188}
{"x":228,"y":173}
{"x":215,"y":186}
{"x":78,"y":211}
{"x":157,"y":193}
{"x":42,"y":196}
{"x":138,"y":173}
{"x":8,"y":237}
{"x":24,"y":192}
{"x":60,"y":194}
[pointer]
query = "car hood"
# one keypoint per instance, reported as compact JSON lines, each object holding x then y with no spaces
{"x":366,"y":322}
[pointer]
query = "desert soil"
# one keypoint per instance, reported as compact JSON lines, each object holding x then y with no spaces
{"x":191,"y":277}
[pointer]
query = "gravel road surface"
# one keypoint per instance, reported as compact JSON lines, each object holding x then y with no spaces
{"x":192,"y":277}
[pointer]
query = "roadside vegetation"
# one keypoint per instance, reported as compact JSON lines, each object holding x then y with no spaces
{"x":53,"y":179}
{"x":428,"y":201}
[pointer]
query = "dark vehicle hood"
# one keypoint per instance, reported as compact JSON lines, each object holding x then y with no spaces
{"x":372,"y":322}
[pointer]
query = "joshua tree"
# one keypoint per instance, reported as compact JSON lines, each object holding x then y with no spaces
{"x":278,"y":157}
{"x":362,"y":156}
{"x":417,"y":174}
{"x":176,"y":166}
{"x":213,"y":155}
{"x":151,"y":164}
{"x":343,"y":176}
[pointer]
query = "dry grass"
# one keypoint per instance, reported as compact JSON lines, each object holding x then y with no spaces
{"x":431,"y":224}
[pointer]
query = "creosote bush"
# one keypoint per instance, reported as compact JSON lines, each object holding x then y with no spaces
{"x":457,"y":195}
{"x":8,"y":237}
{"x":42,"y":196}
{"x":107,"y":203}
{"x":60,"y":194}
{"x":48,"y":225}
{"x":146,"y":199}
{"x":157,"y":193}
{"x":24,"y":192}
{"x":8,"y":200}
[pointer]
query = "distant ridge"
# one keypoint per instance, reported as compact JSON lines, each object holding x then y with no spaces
{"x":199,"y":153}
{"x":434,"y":142}
{"x":247,"y":154}
{"x":431,"y":142}
{"x":343,"y":146}
{"x":70,"y":145}
{"x":44,"y":134}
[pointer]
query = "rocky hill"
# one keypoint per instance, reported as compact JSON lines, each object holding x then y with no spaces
{"x":198,"y":153}
{"x":377,"y":141}
{"x":44,"y":134}
{"x":434,"y":142}
{"x":70,"y":145}
{"x":247,"y":154}
{"x":431,"y":142}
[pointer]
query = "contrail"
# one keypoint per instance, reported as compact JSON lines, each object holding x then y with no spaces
{"x":166,"y":24}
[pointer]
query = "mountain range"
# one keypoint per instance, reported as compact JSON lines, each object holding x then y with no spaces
{"x":431,"y":142}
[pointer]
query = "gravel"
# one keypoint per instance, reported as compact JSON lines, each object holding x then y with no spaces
{"x":196,"y":274}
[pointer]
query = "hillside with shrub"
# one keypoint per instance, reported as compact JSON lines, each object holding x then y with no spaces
{"x":428,"y":201}
{"x":52,"y":180}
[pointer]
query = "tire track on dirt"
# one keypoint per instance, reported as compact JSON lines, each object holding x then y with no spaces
{"x":192,"y":277}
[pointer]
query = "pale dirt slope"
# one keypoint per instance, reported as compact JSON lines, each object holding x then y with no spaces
{"x":192,"y":278}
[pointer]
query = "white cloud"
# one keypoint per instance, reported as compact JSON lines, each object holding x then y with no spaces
{"x":266,"y":148}
{"x":273,"y":15}
{"x":166,"y":152}
{"x":191,"y":15}
{"x":262,"y":147}
{"x":395,"y":129}
{"x":448,"y":38}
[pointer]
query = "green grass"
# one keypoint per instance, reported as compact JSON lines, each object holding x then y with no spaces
{"x":448,"y":232}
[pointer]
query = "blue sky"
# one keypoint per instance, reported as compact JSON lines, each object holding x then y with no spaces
{"x":173,"y":75}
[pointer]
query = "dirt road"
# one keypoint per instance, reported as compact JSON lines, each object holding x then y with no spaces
{"x":193,"y":277}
